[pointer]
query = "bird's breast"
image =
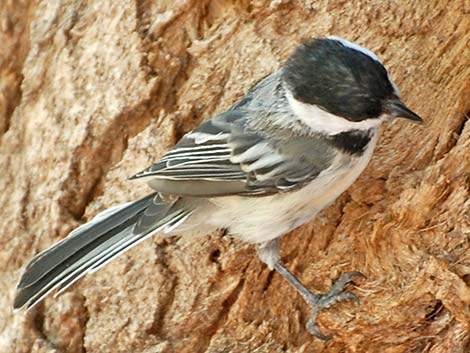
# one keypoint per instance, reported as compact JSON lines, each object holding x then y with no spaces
{"x":260,"y":219}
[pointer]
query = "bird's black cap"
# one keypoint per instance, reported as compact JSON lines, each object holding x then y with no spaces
{"x":345,"y":80}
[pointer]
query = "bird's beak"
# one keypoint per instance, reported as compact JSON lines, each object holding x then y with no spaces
{"x":397,"y":109}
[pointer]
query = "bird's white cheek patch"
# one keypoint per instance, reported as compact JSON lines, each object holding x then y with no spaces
{"x":323,"y":122}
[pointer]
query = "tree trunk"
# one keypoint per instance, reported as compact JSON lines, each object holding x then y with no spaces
{"x":92,"y":92}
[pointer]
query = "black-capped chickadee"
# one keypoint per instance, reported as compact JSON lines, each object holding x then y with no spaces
{"x":298,"y":139}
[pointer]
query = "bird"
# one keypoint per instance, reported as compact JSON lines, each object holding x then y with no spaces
{"x":269,"y":164}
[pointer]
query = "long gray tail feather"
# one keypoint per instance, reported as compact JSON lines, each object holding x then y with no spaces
{"x":94,"y":244}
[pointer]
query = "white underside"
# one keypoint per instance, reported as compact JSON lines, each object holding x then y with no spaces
{"x":260,"y":219}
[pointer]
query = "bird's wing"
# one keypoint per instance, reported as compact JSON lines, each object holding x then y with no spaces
{"x":224,"y":156}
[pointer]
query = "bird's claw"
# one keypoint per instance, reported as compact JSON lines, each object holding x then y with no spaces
{"x":336,"y":294}
{"x":313,"y":328}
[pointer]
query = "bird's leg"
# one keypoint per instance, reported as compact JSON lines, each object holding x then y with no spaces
{"x":269,"y":253}
{"x":320,"y":301}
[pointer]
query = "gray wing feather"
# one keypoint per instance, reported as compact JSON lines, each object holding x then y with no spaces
{"x":238,"y":153}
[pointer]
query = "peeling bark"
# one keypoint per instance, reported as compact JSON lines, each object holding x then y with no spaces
{"x":93,"y":91}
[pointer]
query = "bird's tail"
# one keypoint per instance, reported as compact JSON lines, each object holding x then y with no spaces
{"x":94,"y":244}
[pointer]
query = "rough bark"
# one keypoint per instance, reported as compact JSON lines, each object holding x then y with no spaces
{"x":94,"y":91}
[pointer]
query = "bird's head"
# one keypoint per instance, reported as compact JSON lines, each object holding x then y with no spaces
{"x":344,"y":80}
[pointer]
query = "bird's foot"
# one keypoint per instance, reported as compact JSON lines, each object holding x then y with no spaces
{"x":320,"y":301}
{"x":336,"y":294}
